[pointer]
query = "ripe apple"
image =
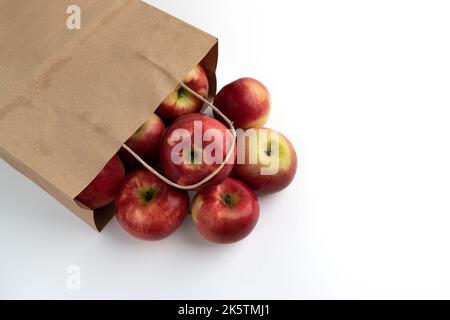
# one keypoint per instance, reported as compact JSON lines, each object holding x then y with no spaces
{"x":225,"y":213}
{"x":101,"y":191}
{"x":145,"y":143}
{"x":193,"y":147}
{"x":270,"y":160}
{"x":181,"y":102}
{"x":246,"y":102}
{"x":149,"y":209}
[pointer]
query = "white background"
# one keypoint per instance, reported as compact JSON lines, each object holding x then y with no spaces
{"x":362,"y":90}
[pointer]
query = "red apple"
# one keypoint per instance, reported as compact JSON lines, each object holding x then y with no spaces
{"x":246,"y":102}
{"x":270,"y":160}
{"x":145,"y":143}
{"x":149,"y":209}
{"x":193,"y":147}
{"x":101,"y":191}
{"x":181,"y":102}
{"x":225,"y":213}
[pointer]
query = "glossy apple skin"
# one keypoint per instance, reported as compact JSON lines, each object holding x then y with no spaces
{"x":156,"y":217}
{"x":145,"y":143}
{"x":246,"y":102}
{"x":224,"y":223}
{"x":186,"y":174}
{"x":102,"y":190}
{"x":181,"y":102}
{"x":251,"y":173}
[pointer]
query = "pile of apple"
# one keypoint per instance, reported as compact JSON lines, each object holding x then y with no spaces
{"x":226,"y":208}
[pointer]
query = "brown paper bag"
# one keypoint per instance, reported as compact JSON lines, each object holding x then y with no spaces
{"x":70,"y":98}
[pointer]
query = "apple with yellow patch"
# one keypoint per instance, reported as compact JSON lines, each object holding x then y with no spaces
{"x":181,"y":102}
{"x":148,"y":208}
{"x":268,"y":162}
{"x":246,"y":102}
{"x":225,"y":213}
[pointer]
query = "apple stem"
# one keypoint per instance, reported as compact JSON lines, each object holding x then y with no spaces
{"x":228,"y":199}
{"x":180,"y":92}
{"x":148,"y":196}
